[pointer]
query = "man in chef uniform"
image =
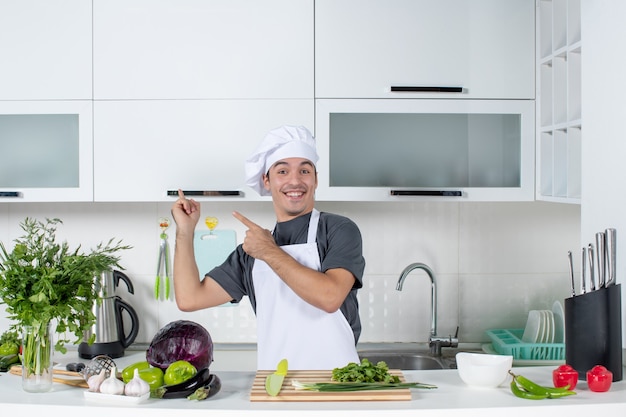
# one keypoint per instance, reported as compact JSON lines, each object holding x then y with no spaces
{"x":301,"y":278}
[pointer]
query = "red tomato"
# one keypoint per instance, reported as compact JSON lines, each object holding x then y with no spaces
{"x":565,"y":375}
{"x":599,"y":379}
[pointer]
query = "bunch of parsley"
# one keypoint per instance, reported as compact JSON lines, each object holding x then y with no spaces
{"x":366,"y":371}
{"x":44,"y":282}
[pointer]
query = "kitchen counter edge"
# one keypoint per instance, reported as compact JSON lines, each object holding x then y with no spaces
{"x":451,"y":398}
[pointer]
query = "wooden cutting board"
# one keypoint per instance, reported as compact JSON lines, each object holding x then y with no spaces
{"x":77,"y":381}
{"x":289,"y":393}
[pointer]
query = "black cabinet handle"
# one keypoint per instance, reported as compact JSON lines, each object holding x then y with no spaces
{"x":207,"y":193}
{"x":425,"y":89}
{"x":436,"y":193}
{"x":10,"y":194}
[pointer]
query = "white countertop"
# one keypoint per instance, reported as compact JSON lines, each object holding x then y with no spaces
{"x":452,"y":397}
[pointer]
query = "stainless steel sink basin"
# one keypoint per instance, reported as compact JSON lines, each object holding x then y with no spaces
{"x":409,"y":360}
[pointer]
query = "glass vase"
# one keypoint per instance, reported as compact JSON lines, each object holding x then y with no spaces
{"x":37,"y":358}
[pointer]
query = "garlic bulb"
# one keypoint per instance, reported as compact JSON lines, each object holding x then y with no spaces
{"x":95,"y":381}
{"x":112,"y":385}
{"x":136,"y":387}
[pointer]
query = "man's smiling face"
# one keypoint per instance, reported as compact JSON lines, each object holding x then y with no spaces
{"x":292,"y":182}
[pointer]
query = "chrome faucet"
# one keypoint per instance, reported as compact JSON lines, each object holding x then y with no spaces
{"x":434,"y":342}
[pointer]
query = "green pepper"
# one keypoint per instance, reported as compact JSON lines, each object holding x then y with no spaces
{"x":153,"y":376}
{"x":129,"y":371}
{"x":9,"y":348}
{"x":178,"y":372}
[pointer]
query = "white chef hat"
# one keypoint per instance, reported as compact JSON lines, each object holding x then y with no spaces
{"x":280,"y":143}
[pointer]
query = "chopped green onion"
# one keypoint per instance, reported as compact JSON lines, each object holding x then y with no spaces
{"x":358,"y":386}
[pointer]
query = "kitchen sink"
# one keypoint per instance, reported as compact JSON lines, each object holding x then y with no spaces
{"x":409,"y":360}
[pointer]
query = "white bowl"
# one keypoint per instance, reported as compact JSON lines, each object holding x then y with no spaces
{"x":483,"y":370}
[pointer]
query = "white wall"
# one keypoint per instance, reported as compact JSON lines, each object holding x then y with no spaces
{"x":493,"y":261}
{"x":603,"y":201}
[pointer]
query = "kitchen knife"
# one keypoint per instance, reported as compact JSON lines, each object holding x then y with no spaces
{"x":600,"y":258}
{"x":571,"y":271}
{"x":592,"y":283}
{"x":583,"y":277}
{"x":611,"y":255}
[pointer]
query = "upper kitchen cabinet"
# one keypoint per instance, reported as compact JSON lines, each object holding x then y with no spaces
{"x":416,"y":150}
{"x":425,"y":49}
{"x":45,"y":47}
{"x":559,"y":110}
{"x":203,"y":49}
{"x":46,"y":151}
{"x":147,"y":148}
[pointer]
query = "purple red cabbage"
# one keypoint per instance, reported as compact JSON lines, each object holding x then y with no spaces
{"x":181,"y":340}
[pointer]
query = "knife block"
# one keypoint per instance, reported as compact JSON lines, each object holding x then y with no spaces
{"x":593,"y":331}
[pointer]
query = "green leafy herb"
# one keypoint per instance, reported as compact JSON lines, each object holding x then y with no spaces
{"x":364,"y":372}
{"x":358,"y":386}
{"x":9,"y":336}
{"x":42,"y":281}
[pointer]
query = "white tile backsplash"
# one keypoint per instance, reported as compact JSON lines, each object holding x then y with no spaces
{"x":493,"y":261}
{"x":502,"y":301}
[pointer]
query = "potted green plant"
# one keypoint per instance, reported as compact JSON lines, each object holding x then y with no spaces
{"x":50,"y":289}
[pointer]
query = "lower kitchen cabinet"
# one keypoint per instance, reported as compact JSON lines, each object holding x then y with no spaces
{"x":145,"y":148}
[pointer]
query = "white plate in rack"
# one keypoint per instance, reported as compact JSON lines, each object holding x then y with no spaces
{"x":551,"y":327}
{"x":543,"y":332}
{"x":559,"y":322}
{"x":532,"y":331}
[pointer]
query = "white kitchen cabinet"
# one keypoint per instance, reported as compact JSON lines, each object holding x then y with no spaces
{"x":484,"y":47}
{"x":145,"y":148}
{"x":199,"y":49}
{"x":417,"y":150}
{"x":45,"y":47}
{"x":46,"y":151}
{"x":559,"y":112}
{"x":603,"y":202}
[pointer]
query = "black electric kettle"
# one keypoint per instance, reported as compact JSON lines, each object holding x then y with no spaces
{"x":110,"y":336}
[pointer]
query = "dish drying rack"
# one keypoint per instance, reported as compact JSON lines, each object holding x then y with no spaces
{"x":509,"y":342}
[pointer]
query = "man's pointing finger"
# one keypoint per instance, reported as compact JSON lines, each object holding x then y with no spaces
{"x":243,"y":219}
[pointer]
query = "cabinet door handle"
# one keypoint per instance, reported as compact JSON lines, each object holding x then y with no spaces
{"x":436,"y":193}
{"x":425,"y":89}
{"x":207,"y":193}
{"x":12,"y":194}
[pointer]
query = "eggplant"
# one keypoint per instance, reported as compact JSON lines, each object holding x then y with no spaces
{"x":75,"y":366}
{"x":212,"y":387}
{"x":7,"y":361}
{"x":185,"y":388}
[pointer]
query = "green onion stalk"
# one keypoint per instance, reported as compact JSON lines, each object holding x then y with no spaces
{"x":36,"y":349}
{"x":358,"y":386}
